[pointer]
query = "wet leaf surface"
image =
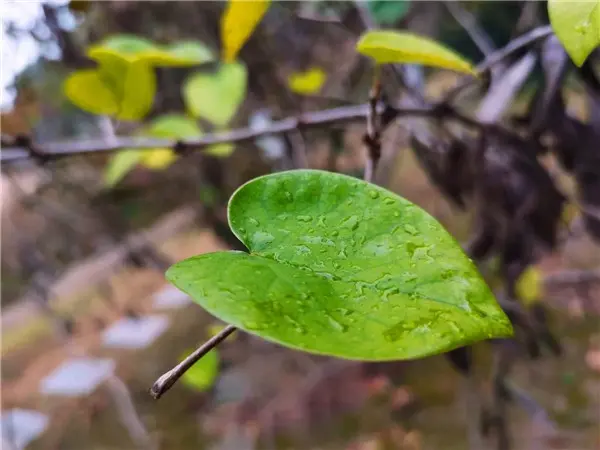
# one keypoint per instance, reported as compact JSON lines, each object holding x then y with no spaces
{"x":342,"y":267}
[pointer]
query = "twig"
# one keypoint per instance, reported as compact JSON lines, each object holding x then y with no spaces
{"x":499,"y":55}
{"x":372,"y":138}
{"x":570,"y":277}
{"x":168,"y":379}
{"x":309,"y":120}
{"x":295,"y":140}
{"x":468,"y":22}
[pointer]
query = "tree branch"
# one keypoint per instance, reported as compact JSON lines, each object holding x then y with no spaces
{"x":168,"y":379}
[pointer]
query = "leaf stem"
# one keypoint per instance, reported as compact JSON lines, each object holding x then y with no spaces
{"x":168,"y":379}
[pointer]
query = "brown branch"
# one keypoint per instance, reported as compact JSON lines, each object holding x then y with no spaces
{"x":16,"y":151}
{"x":168,"y":379}
{"x":499,"y":56}
{"x":372,"y":138}
{"x":469,"y":23}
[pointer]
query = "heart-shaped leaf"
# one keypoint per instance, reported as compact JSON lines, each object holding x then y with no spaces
{"x":577,"y":25}
{"x":402,"y":47}
{"x":307,"y":82}
{"x":217,"y":96}
{"x":342,"y":267}
{"x":237,"y":24}
{"x":202,"y":375}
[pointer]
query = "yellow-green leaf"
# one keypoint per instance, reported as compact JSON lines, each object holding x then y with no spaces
{"x":139,"y":87}
{"x":216,"y":328}
{"x":237,"y":24}
{"x":127,"y":86}
{"x":158,"y":158}
{"x":217,"y":96}
{"x":221,"y":150}
{"x":577,"y":26}
{"x":87,"y":90}
{"x":401,"y":47}
{"x":175,"y":126}
{"x":308,"y":82}
{"x":120,"y":165}
{"x":529,"y":285}
{"x":202,"y":375}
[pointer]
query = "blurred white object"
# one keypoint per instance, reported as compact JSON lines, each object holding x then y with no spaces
{"x":77,"y":377}
{"x":134,"y":333}
{"x":20,"y":427}
{"x":273,"y":147}
{"x":171,"y":298}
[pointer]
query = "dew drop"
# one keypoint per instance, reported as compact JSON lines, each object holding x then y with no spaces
{"x":345,"y":312}
{"x":288,"y":196}
{"x":373,"y":194}
{"x":305,"y":218}
{"x":389,"y":201}
{"x":300,"y":329}
{"x":253,"y":221}
{"x":448,"y":273}
{"x":583,"y":27}
{"x":321,"y":221}
{"x":335,"y":233}
{"x":335,"y":323}
{"x":411,"y":230}
{"x":254,"y":326}
{"x":396,"y":213}
{"x":351,"y":222}
{"x":390,"y":291}
{"x":410,"y":248}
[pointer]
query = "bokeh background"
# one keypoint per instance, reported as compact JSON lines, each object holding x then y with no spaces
{"x":73,"y":290}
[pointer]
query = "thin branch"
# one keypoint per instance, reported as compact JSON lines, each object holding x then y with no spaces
{"x":309,"y":120}
{"x":499,"y":56}
{"x":571,"y":277}
{"x":469,"y":23}
{"x":373,"y":136}
{"x":168,"y":379}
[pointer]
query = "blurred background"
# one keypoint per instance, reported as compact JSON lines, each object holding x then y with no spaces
{"x":89,"y":322}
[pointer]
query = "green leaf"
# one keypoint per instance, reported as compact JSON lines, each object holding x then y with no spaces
{"x":127,"y":44}
{"x":194,"y":51}
{"x":216,"y":97}
{"x":401,"y":47}
{"x":577,"y":26}
{"x":237,"y":24}
{"x":174,"y":126}
{"x":341,"y":267}
{"x":131,"y":49}
{"x":202,"y":375}
{"x":388,"y":12}
{"x":120,"y":164}
{"x":88,"y":91}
